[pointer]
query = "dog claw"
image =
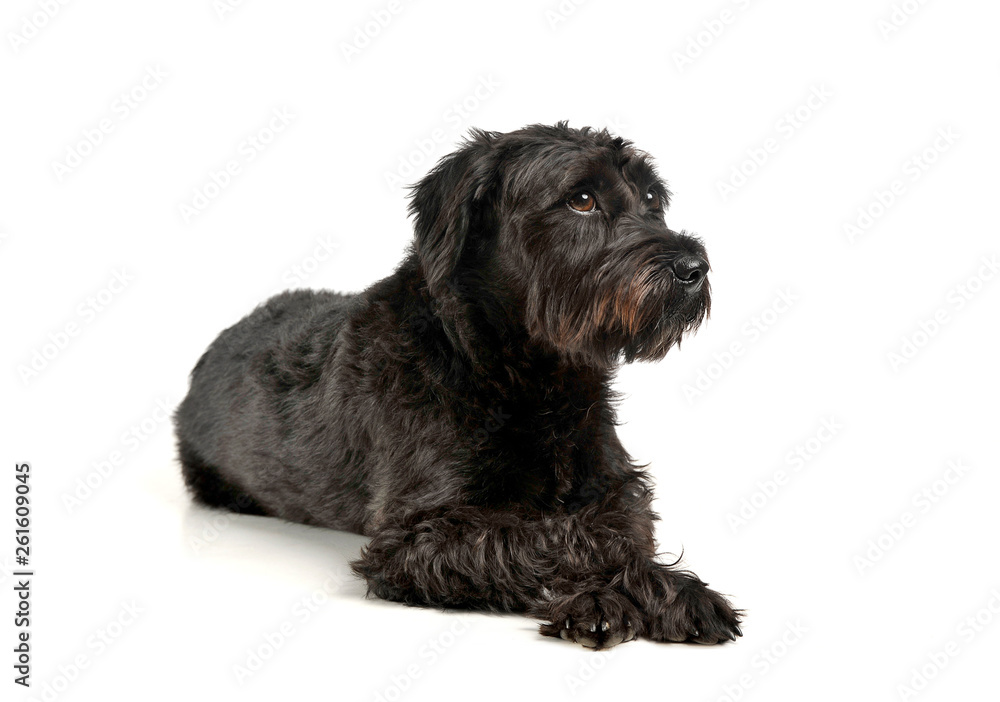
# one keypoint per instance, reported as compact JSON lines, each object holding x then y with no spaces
{"x":597,"y":620}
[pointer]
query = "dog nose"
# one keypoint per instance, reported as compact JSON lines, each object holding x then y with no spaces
{"x":690,"y":270}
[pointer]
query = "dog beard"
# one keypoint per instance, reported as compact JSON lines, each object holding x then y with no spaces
{"x":620,"y":303}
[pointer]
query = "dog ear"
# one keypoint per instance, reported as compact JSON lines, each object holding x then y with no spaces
{"x":446,"y":204}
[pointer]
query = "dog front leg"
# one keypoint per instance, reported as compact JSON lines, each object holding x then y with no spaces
{"x":557,"y":568}
{"x":458,"y":557}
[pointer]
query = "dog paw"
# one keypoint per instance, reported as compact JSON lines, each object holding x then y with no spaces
{"x":696,"y":614}
{"x":597,"y":619}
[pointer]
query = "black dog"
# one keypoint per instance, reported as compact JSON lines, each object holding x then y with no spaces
{"x":460,"y":413}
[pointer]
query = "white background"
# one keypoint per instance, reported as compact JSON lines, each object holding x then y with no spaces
{"x":821,"y":623}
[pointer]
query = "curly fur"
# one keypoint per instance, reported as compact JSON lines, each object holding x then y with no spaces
{"x":460,"y":412}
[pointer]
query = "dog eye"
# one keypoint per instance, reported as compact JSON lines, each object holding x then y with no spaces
{"x":653,"y":199}
{"x":583,"y":202}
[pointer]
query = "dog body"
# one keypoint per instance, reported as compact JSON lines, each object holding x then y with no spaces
{"x":459,"y":412}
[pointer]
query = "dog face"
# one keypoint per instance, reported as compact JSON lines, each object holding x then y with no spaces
{"x":564,"y":231}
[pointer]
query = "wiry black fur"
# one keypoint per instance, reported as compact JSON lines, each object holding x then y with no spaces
{"x":459,"y":412}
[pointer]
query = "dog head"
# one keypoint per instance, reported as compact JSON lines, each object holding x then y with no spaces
{"x":561,"y":232}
